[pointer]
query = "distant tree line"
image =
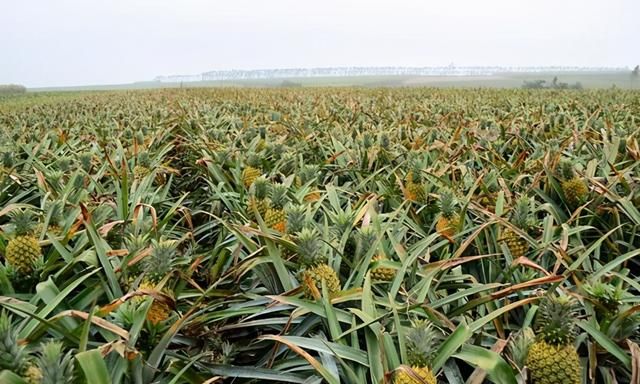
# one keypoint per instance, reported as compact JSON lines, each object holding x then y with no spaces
{"x":8,"y":89}
{"x":555,"y":84}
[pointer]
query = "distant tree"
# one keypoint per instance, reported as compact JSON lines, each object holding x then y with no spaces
{"x":9,"y":89}
{"x":636,"y":71}
{"x":534,"y":84}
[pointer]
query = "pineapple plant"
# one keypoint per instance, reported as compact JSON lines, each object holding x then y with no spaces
{"x":23,"y":250}
{"x":275,"y":217}
{"x":143,"y":165}
{"x":552,"y":358}
{"x":449,"y":218}
{"x":259,"y":196}
{"x":252,"y":170}
{"x":381,"y":273}
{"x":421,"y":341}
{"x":520,"y":218}
{"x":309,"y":175}
{"x":574,"y":187}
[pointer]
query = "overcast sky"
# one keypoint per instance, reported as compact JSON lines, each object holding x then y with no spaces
{"x":80,"y":42}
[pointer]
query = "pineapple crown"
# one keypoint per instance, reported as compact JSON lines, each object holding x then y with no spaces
{"x":55,"y":366}
{"x":263,"y":132}
{"x":447,"y":204}
{"x":253,"y":160}
{"x":296,"y":218}
{"x":139,"y":138}
{"x":519,"y":346}
{"x":422,"y":340}
{"x":7,"y":159}
{"x":12,"y":355}
{"x":520,"y":214}
{"x":607,"y":295}
{"x":23,"y":221}
{"x":555,"y":320}
{"x":308,"y":173}
{"x":63,"y":164}
{"x":85,"y":161}
{"x":143,"y":159}
{"x":161,"y":259}
{"x":56,"y":210}
{"x":279,"y":196}
{"x":308,"y":242}
{"x":566,"y":169}
{"x":365,"y":239}
{"x":384,"y":141}
{"x":260,"y":188}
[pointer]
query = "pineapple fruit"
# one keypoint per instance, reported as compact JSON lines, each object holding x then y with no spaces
{"x":23,"y":249}
{"x":413,"y":186}
{"x":520,"y":219}
{"x":156,"y":266}
{"x":52,"y":366}
{"x":313,"y":278}
{"x":259,"y":197}
{"x":382,"y":273}
{"x":314,"y":267}
{"x":449,"y":219}
{"x":252,"y":171}
{"x":12,"y":353}
{"x":142,"y":167}
{"x":552,"y":358}
{"x":421,"y":340}
{"x":574,"y":187}
{"x":275,"y":217}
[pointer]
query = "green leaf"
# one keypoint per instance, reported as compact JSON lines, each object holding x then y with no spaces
{"x":94,"y":367}
{"x":498,"y":370}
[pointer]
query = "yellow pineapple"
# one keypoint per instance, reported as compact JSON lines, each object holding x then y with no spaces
{"x":449,"y":219}
{"x":312,"y":279}
{"x":258,"y":199}
{"x":413,"y":187}
{"x":275,"y":217}
{"x":252,"y":171}
{"x":33,"y":374}
{"x":156,"y":266}
{"x":159,"y":311}
{"x":553,"y":359}
{"x":382,"y":273}
{"x":23,"y":249}
{"x":574,"y":187}
{"x":421,"y":342}
{"x":517,"y":245}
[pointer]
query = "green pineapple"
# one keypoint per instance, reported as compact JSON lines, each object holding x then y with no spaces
{"x":574,"y":187}
{"x":275,"y":216}
{"x":421,"y":340}
{"x":553,"y":359}
{"x":23,"y":250}
{"x":308,"y":244}
{"x":519,"y":218}
{"x":449,"y":219}
{"x":143,"y":165}
{"x":156,"y":266}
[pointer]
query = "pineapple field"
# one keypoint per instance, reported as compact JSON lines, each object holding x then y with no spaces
{"x":320,"y":235}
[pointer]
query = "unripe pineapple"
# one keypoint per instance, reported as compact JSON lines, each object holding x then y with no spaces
{"x":382,"y":273}
{"x":553,"y":359}
{"x":23,"y":250}
{"x":421,"y":342}
{"x":449,"y":219}
{"x":312,"y":280}
{"x":275,"y":216}
{"x":258,"y":199}
{"x":519,"y":218}
{"x":574,"y":187}
{"x":252,"y":171}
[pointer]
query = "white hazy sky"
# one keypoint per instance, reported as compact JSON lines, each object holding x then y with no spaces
{"x":74,"y":42}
